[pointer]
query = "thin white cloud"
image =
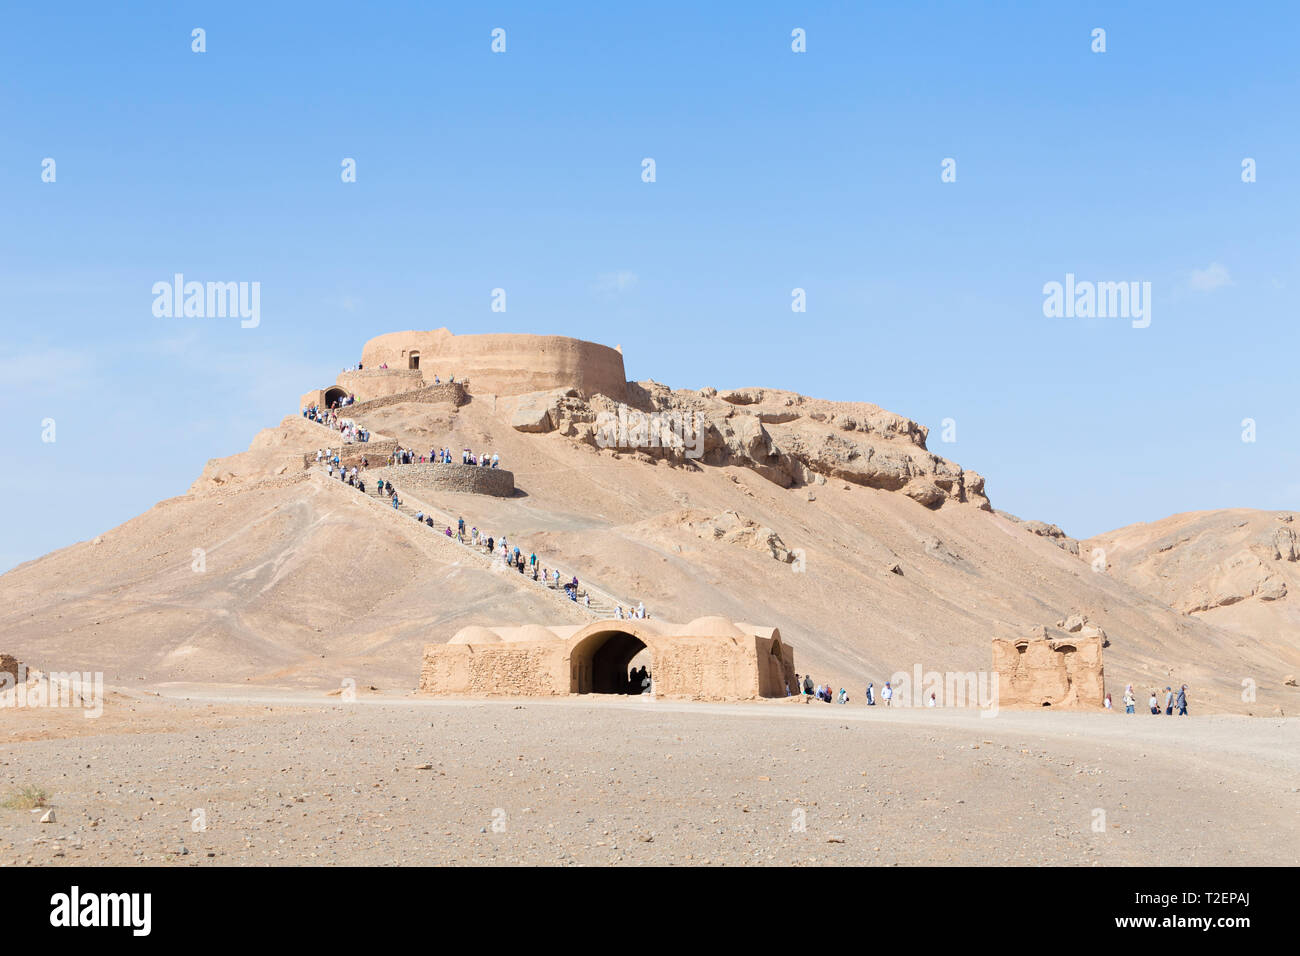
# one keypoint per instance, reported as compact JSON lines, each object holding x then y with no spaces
{"x":615,"y":283}
{"x":1214,"y":276}
{"x":41,"y":367}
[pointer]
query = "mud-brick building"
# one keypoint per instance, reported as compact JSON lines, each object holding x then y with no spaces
{"x":710,"y":658}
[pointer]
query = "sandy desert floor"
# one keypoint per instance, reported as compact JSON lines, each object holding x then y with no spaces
{"x":213,"y":775}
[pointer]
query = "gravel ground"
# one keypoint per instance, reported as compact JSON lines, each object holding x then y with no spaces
{"x":228,"y":776}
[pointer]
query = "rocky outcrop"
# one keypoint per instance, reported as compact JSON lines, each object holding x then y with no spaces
{"x":1240,"y":577}
{"x":789,"y":439}
{"x":743,"y":396}
{"x":1045,"y":530}
{"x":539,"y":412}
{"x":1077,"y":623}
{"x":1283,"y":545}
{"x":729,"y":527}
{"x":1232,"y":568}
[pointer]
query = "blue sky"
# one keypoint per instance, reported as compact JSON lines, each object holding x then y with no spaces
{"x":774,"y":170}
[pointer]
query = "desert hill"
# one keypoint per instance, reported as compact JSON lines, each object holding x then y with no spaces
{"x":831,"y":521}
{"x":1235,"y":568}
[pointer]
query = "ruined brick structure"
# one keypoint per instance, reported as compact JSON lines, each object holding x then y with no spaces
{"x":1045,"y":672}
{"x":495,"y":364}
{"x":708,"y":659}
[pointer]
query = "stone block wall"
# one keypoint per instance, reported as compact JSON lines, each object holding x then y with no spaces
{"x":431,"y":476}
{"x":446,"y":393}
{"x":376,"y":452}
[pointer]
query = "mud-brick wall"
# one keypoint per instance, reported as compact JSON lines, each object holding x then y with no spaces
{"x":444,"y":394}
{"x":1064,"y":673}
{"x":524,"y":669}
{"x":377,"y":383}
{"x":505,"y":364}
{"x":375,"y":452}
{"x":709,"y":668}
{"x":432,"y":476}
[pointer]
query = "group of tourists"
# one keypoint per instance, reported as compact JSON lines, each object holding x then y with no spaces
{"x":638,"y":680}
{"x":442,"y":456}
{"x":386,"y":489}
{"x":806,"y":689}
{"x":510,"y":557}
{"x":822,"y":692}
{"x":328,"y":456}
{"x":343,"y":402}
{"x":384,"y":365}
{"x":424,"y":519}
{"x":349,"y":476}
{"x":349,"y":430}
{"x":887,"y":695}
{"x":1173,"y":700}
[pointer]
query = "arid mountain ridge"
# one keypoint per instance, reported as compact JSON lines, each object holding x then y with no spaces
{"x":829,"y":520}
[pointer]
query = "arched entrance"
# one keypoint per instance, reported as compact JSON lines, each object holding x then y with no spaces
{"x":333,"y":395}
{"x":600,"y":663}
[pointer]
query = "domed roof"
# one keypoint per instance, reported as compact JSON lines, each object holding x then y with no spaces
{"x":712,"y":626}
{"x":475,"y":634}
{"x":531,"y":632}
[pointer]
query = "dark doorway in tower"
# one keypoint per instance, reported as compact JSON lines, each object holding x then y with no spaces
{"x":414,"y":360}
{"x":334,"y":396}
{"x":605,"y":662}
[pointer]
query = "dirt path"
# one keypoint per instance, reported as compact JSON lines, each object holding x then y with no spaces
{"x":234,"y":776}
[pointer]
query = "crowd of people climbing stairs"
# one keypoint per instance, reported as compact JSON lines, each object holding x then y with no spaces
{"x":444,"y":456}
{"x":496,"y":548}
{"x":330,"y":418}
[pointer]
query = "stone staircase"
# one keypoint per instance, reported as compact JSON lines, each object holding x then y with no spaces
{"x":603,"y":603}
